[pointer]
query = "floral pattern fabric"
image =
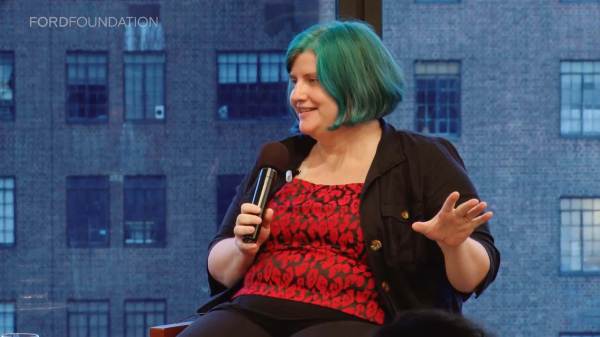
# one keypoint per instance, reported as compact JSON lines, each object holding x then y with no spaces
{"x":316,"y":253}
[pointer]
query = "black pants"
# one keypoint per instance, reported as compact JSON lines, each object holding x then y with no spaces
{"x":231,"y":322}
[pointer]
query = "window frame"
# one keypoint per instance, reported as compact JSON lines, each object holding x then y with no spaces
{"x":576,"y":273}
{"x":87,"y":120}
{"x":14,"y":313}
{"x":13,"y":80}
{"x":145,"y":119}
{"x":284,"y":117}
{"x":580,"y":135}
{"x":161,"y":242}
{"x":79,"y":301}
{"x":103,"y":179}
{"x":14,"y":243}
{"x":459,"y":75}
{"x":145,"y":301}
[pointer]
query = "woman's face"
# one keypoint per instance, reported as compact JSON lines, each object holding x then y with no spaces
{"x":316,"y":110}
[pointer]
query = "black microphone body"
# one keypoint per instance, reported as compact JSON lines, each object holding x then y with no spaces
{"x":266,"y":177}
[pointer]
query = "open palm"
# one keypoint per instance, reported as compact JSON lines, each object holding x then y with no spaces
{"x":452,"y":225}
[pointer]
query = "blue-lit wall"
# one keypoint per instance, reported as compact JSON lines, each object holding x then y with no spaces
{"x":509,"y":52}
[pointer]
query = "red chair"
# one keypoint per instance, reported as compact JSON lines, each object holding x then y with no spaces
{"x":168,"y":330}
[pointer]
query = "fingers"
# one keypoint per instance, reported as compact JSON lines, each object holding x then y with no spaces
{"x":246,"y":223}
{"x":248,"y":215}
{"x":465,"y":207}
{"x":247,"y":220}
{"x":249,"y":208}
{"x":478,"y":221}
{"x":450,"y":202}
{"x":241,"y":230}
{"x":476,"y":210}
{"x":421,"y":227}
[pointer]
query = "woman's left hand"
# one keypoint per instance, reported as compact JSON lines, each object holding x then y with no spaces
{"x":452,"y":226}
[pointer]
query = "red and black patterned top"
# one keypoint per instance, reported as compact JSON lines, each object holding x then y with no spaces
{"x":316,"y":253}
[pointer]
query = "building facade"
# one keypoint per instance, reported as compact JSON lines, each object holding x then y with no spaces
{"x":125,"y":127}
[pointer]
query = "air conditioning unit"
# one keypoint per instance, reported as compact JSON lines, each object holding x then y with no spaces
{"x":159,"y":112}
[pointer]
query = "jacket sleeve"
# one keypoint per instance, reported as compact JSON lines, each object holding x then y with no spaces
{"x":444,"y":172}
{"x":226,"y":228}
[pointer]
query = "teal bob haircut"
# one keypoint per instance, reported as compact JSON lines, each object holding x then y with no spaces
{"x":354,"y":67}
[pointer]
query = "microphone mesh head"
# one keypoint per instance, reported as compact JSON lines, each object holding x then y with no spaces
{"x":274,"y":155}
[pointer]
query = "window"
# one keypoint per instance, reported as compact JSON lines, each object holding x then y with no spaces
{"x":7,"y":85}
{"x":280,"y":15}
{"x":251,"y":85}
{"x":145,"y":86}
{"x":7,"y":317}
{"x":145,"y":204}
{"x":87,"y":90}
{"x":438,"y":97}
{"x":148,"y":33}
{"x":437,"y":1}
{"x":88,"y":221}
{"x":7,"y":211}
{"x":580,"y":234}
{"x":140,"y":315}
{"x":88,"y":318}
{"x":226,"y":188}
{"x":580,"y":98}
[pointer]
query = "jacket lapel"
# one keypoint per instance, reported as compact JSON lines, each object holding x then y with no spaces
{"x":389,"y":154}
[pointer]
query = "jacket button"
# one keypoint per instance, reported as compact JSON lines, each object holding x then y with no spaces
{"x":375,"y":245}
{"x":385,"y":286}
{"x":405,"y":215}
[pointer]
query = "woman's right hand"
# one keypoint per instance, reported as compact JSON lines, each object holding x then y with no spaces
{"x":244,"y":225}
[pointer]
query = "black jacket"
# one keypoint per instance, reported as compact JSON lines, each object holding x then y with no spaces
{"x":410,"y":178}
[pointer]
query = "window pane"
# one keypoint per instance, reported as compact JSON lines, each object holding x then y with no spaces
{"x":145,"y":210}
{"x":7,"y":211}
{"x":140,"y":315}
{"x":580,"y":98}
{"x":437,"y":94}
{"x":250,"y":85}
{"x":7,"y":85}
{"x":87,"y":93}
{"x":144,"y":86}
{"x":7,"y":317}
{"x":580,"y":234}
{"x":88,"y":211}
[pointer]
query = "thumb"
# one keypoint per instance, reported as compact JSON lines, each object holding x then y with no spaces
{"x":421,"y":227}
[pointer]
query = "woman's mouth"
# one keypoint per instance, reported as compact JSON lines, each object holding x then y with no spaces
{"x":304,"y":109}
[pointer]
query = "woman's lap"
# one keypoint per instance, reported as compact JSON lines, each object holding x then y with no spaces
{"x":339,"y":329}
{"x":233,"y":323}
{"x":223,"y":323}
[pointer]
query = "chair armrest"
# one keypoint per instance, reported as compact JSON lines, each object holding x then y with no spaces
{"x":168,"y":330}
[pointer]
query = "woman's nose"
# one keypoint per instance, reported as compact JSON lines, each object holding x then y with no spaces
{"x":298,"y":93}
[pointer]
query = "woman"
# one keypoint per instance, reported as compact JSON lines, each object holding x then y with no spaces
{"x":375,"y":222}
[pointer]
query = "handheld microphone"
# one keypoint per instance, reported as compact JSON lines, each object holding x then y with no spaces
{"x":273,"y":160}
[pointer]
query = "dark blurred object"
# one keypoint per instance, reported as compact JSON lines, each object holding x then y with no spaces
{"x":365,"y":10}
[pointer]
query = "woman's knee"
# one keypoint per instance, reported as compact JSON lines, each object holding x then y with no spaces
{"x":223,"y":323}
